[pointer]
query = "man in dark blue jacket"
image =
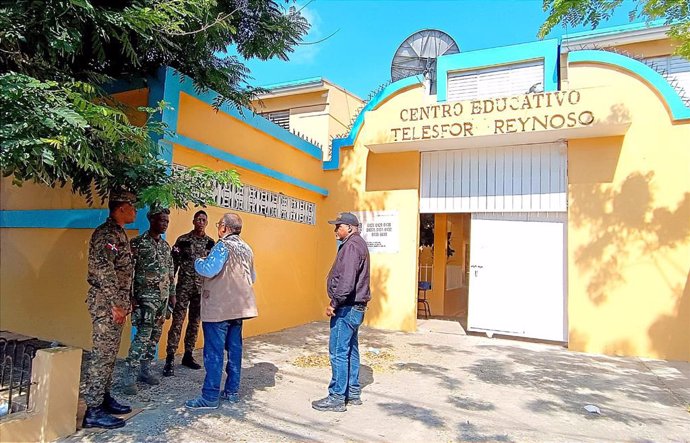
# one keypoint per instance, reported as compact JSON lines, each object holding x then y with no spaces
{"x":348,"y":288}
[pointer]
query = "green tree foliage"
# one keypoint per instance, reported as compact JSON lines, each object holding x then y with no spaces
{"x":58,"y":126}
{"x":592,"y":12}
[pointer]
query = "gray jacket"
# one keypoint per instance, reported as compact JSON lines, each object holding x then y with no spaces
{"x":228,"y":272}
{"x":348,"y":281}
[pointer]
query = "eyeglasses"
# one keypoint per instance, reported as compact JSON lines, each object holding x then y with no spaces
{"x":219,"y":224}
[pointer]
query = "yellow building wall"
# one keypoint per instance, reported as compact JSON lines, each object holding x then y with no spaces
{"x":653,"y":48}
{"x":43,"y":271}
{"x":201,"y":122}
{"x":43,"y":284}
{"x":293,"y":101}
{"x":283,"y":250}
{"x":285,"y":258}
{"x":52,"y":401}
{"x":308,"y":112}
{"x":342,"y":107}
{"x":35,"y":196}
{"x":319,"y":115}
{"x":629,"y":228}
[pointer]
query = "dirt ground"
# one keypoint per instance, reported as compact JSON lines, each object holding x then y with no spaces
{"x":437,"y":384}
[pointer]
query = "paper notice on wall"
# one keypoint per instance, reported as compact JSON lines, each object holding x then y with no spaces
{"x":380,"y":230}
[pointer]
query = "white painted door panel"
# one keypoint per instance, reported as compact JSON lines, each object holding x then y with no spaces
{"x":517,"y":275}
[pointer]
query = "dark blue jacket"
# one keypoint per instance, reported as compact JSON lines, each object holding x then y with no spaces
{"x":348,"y":281}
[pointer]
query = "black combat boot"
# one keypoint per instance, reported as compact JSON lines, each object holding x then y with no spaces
{"x":169,"y":368}
{"x":145,"y":374}
{"x":129,"y":380}
{"x":188,"y":360}
{"x":112,"y":406}
{"x":98,"y":418}
{"x":354,"y":401}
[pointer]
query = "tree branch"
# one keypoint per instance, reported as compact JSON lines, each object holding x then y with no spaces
{"x":221,"y":18}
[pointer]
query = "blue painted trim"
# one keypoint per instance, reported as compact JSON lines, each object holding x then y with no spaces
{"x":614,"y":30}
{"x":156,"y":87}
{"x":185,"y":84}
{"x":162,"y":87}
{"x":244,"y":163}
{"x":61,"y":219}
{"x":546,"y":50}
{"x":375,"y":102}
{"x":141,"y":223}
{"x":678,"y":109}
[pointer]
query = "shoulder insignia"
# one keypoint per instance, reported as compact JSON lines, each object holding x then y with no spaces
{"x":112,"y":247}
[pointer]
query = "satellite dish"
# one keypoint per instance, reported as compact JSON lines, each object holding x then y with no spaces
{"x":417,"y":55}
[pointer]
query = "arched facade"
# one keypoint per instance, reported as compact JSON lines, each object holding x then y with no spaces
{"x":621,"y":132}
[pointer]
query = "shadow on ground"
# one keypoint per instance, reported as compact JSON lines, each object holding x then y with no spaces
{"x":436,"y":387}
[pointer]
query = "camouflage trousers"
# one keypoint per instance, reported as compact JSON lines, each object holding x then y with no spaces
{"x":187,"y":297}
{"x":148,"y":319}
{"x":106,"y":336}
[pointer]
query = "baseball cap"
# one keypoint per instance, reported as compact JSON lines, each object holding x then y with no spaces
{"x":345,"y":218}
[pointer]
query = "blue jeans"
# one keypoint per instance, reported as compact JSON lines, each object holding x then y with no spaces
{"x":343,"y":350}
{"x":221,"y":337}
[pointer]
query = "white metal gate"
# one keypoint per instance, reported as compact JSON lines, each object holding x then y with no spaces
{"x":528,"y":178}
{"x":517,"y":197}
{"x":517,"y":275}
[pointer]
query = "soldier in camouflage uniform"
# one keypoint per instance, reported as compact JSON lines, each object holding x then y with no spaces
{"x":188,"y":247}
{"x":110,"y":278}
{"x":153,"y":289}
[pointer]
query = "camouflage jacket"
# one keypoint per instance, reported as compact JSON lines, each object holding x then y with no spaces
{"x":188,"y":248}
{"x":153,"y":268}
{"x":110,"y":266}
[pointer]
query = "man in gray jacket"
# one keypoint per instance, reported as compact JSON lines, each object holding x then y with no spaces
{"x":227,"y":298}
{"x":348,"y":288}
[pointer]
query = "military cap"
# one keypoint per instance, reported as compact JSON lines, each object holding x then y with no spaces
{"x":155,"y":210}
{"x":120,"y":195}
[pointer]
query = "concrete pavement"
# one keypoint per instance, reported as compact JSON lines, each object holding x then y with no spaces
{"x":437,"y":384}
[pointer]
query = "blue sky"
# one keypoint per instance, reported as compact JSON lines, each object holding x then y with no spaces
{"x":367,"y":33}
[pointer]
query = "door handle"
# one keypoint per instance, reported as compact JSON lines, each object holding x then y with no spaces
{"x":476,"y":269}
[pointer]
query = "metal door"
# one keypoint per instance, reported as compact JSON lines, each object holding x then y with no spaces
{"x":517,"y":275}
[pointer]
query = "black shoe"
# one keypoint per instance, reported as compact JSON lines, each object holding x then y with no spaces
{"x":329,"y":404}
{"x":355,"y":401}
{"x":98,"y":418}
{"x":112,"y":406}
{"x":188,"y":360}
{"x":169,"y":368}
